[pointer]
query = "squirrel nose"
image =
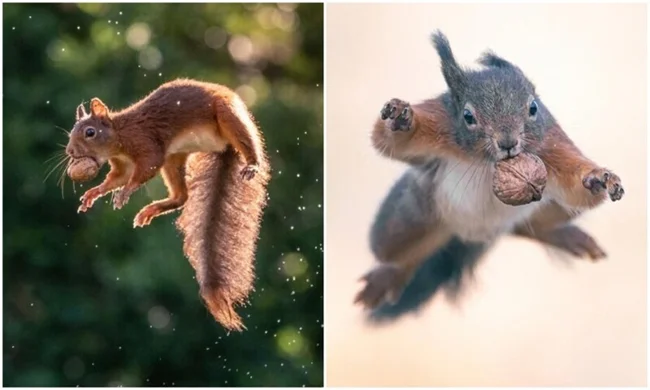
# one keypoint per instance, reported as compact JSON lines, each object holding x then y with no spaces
{"x":508,"y":144}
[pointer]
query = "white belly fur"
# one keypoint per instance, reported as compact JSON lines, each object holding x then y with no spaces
{"x":197,"y":139}
{"x":468,"y":206}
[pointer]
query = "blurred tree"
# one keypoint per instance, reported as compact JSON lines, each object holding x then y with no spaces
{"x":90,"y":301}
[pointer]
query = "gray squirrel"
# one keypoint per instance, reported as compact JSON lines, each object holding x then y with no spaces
{"x":441,"y":216}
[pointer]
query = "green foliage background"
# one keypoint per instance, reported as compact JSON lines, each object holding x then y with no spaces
{"x":90,"y":301}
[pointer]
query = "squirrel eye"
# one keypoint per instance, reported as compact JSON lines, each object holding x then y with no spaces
{"x":532,"y":110}
{"x":469,"y":118}
{"x":90,"y":132}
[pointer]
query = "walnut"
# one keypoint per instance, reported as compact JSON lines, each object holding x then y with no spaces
{"x":83,"y":169}
{"x":519,"y":180}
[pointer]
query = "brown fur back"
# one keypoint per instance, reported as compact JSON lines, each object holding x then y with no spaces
{"x":221,"y":222}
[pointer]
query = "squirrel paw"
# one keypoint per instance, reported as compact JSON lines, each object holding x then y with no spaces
{"x":145,"y":216}
{"x":575,"y":241}
{"x":120,"y":198}
{"x":249,"y":172}
{"x":600,"y":179}
{"x":384,"y":284}
{"x":88,"y":198}
{"x":399,"y":114}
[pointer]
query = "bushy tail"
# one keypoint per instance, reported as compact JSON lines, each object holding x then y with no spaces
{"x":445,"y":269}
{"x":220,"y":223}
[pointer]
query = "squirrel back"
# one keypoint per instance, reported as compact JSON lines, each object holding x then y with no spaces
{"x":220,"y":223}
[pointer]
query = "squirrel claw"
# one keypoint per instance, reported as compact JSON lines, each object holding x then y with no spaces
{"x":399,"y":115}
{"x":249,"y":172}
{"x":145,"y":216}
{"x":120,"y":198}
{"x":603,"y":179}
{"x":384,"y":284}
{"x":88,"y":198}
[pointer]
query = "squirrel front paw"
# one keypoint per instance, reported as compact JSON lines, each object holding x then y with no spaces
{"x":384,"y":284}
{"x":249,"y":172}
{"x":120,"y":198}
{"x":398,"y":115}
{"x":601,"y":179}
{"x":146,"y":215}
{"x":88,"y":198}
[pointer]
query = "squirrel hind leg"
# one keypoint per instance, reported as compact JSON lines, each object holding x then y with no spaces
{"x":573,"y":240}
{"x":173,"y":174}
{"x":444,"y":270}
{"x":551,"y":225}
{"x":237,"y":127}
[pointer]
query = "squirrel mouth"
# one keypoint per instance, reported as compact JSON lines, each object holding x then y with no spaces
{"x":75,"y":158}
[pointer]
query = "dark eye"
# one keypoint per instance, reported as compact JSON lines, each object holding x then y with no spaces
{"x":469,"y":118}
{"x":90,"y":132}
{"x":532,"y":110}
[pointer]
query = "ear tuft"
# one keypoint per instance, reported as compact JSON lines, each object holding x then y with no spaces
{"x":81,"y":112}
{"x":453,"y":73}
{"x":489,"y":58}
{"x":98,"y":109}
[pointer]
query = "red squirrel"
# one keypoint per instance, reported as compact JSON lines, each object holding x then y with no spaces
{"x":443,"y":209}
{"x":203,"y":140}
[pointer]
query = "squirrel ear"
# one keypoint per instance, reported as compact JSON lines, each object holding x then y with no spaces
{"x":81,"y":112}
{"x":98,"y":108}
{"x":490,"y":59}
{"x":454,"y":75}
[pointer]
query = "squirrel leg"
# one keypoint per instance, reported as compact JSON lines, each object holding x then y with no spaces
{"x":173,"y":174}
{"x":144,"y":169}
{"x":550,"y":225}
{"x":116,"y":178}
{"x":405,"y":232}
{"x":414,"y":133}
{"x":580,"y":183}
{"x":238,"y":128}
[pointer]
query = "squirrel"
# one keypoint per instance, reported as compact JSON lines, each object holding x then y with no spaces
{"x":203,"y":140}
{"x":442,"y":215}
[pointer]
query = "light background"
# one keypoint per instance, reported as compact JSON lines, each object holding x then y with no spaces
{"x":529,"y":319}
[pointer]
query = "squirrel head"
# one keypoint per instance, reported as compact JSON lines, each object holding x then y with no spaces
{"x":495,"y":111}
{"x":93,"y":135}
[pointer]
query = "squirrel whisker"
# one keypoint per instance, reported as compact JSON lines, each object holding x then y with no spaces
{"x":62,"y":159}
{"x":67,"y":132}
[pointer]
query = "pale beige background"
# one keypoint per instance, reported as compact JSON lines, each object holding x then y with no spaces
{"x":529,"y":320}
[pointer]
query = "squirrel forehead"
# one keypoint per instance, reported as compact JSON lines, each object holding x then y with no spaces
{"x":498,"y":86}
